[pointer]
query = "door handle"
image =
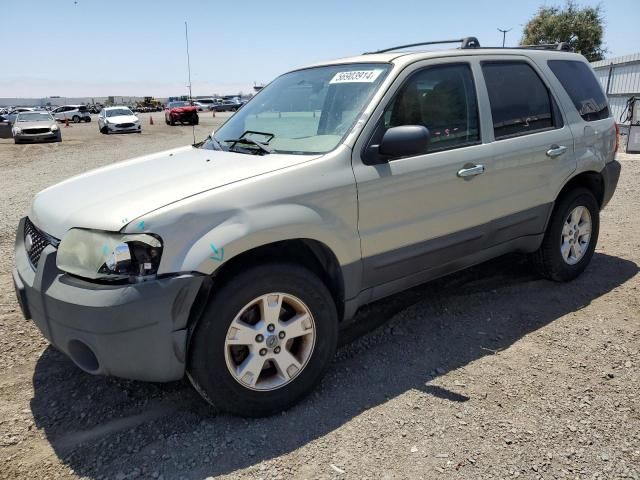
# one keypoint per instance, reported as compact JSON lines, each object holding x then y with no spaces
{"x":471,"y":171}
{"x":555,"y":151}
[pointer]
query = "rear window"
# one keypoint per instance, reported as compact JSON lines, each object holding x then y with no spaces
{"x":82,"y":109}
{"x":582,"y":87}
{"x":520,"y":101}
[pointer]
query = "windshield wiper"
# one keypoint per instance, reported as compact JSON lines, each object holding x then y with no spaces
{"x":249,"y":141}
{"x":214,"y":142}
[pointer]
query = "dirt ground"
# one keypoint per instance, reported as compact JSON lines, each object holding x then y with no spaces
{"x":489,"y":373}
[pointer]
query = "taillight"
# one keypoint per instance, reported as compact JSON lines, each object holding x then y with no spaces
{"x":615,"y":150}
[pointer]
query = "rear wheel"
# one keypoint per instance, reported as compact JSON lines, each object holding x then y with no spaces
{"x":196,"y":120}
{"x":571,"y":237}
{"x":264,"y":341}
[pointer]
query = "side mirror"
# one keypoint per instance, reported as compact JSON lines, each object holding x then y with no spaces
{"x":399,"y":142}
{"x":404,"y":141}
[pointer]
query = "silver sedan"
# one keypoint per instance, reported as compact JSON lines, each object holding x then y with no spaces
{"x":35,"y":127}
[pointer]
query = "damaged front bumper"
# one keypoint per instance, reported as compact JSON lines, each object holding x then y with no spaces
{"x":134,"y":330}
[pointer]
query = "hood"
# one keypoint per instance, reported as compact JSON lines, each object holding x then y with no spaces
{"x":39,"y":124}
{"x":110,"y":197}
{"x":122,"y":119}
{"x":183,"y":110}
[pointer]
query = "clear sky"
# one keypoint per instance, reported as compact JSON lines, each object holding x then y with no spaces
{"x":137,"y":47}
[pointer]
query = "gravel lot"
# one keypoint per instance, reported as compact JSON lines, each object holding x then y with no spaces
{"x":489,"y":373}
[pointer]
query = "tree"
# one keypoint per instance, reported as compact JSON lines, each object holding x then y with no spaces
{"x":582,"y":28}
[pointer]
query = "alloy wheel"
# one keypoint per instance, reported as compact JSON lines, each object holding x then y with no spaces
{"x":270,"y":341}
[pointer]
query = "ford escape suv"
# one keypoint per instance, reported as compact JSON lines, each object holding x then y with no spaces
{"x":235,"y":260}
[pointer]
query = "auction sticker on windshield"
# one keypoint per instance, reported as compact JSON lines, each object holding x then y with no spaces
{"x":361,"y":76}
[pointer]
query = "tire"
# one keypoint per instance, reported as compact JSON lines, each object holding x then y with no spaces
{"x":172,"y":122}
{"x":209,"y":355}
{"x":87,"y":119}
{"x":76,"y":119}
{"x":196,"y":120}
{"x":549,"y":260}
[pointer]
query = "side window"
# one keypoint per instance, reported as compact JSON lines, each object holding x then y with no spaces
{"x":582,"y":87}
{"x":520,"y":101}
{"x":443,"y":99}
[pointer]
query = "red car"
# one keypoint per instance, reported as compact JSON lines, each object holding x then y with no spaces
{"x":182,"y":112}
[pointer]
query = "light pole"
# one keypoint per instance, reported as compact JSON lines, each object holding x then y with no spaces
{"x":504,"y":35}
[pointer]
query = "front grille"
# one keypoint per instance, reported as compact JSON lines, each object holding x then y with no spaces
{"x":33,"y":131}
{"x":124,"y":125}
{"x":39,"y":241}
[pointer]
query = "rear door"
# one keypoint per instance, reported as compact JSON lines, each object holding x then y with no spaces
{"x":533,"y":147}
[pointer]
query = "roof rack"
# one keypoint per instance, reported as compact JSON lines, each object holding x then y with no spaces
{"x":467,"y":42}
{"x":562,"y":46}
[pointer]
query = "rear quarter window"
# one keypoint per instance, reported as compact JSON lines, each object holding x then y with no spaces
{"x":583,"y":88}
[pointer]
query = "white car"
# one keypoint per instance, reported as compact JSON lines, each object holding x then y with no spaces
{"x":118,"y":119}
{"x":75,"y":113}
{"x":204,"y":104}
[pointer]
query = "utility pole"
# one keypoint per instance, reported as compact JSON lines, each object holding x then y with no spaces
{"x":186,"y":36}
{"x":504,"y":35}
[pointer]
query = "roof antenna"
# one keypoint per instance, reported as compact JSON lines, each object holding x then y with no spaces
{"x":504,"y":35}
{"x":186,"y":36}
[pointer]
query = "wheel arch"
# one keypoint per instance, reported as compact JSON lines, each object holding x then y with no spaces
{"x":309,"y":253}
{"x":591,"y":180}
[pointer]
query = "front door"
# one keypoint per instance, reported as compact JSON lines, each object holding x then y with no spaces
{"x":417,"y":213}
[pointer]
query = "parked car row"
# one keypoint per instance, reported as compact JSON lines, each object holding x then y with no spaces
{"x":116,"y":119}
{"x":218,"y":104}
{"x":74,"y":113}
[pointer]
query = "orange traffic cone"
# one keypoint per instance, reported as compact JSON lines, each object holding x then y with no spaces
{"x":66,"y":122}
{"x":150,"y":120}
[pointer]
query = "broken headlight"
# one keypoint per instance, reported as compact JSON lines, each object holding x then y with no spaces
{"x":109,"y":256}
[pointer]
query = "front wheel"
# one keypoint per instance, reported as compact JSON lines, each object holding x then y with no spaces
{"x":571,"y":237}
{"x":264,"y":341}
{"x":76,"y":119}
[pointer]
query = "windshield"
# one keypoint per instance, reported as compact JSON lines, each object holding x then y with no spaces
{"x":179,"y":104}
{"x":116,"y":112}
{"x":205,"y":100}
{"x":306,"y":111}
{"x":33,"y":117}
